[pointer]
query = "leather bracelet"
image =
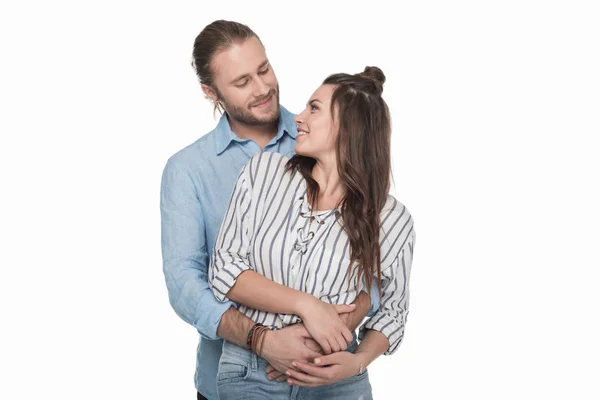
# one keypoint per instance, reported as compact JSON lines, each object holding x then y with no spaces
{"x":251,"y":333}
{"x":263,"y":334}
{"x":256,"y":338}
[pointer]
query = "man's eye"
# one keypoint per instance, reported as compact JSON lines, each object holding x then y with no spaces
{"x":241,"y":85}
{"x":264,"y":71}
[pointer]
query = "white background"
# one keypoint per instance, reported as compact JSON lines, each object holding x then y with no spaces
{"x":495,"y":109}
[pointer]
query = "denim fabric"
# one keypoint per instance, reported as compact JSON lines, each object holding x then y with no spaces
{"x":242,"y":376}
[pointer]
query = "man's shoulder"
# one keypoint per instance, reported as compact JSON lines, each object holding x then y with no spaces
{"x":287,"y":116}
{"x":194,"y":155}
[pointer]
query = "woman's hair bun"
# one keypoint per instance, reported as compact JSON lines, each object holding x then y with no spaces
{"x":376,"y":75}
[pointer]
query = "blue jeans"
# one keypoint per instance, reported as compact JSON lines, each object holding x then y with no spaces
{"x":242,"y":376}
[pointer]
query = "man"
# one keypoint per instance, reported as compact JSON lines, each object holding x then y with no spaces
{"x":197,"y":182}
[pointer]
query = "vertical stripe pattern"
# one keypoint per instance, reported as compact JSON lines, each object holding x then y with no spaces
{"x":266,"y":229}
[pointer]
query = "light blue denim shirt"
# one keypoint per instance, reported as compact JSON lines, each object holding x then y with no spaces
{"x":196,"y":187}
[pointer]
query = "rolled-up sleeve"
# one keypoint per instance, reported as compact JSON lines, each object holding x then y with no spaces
{"x":230,"y":254}
{"x":184,"y":251}
{"x":391,"y":317}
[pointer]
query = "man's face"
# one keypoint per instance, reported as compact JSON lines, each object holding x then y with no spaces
{"x":245,"y":83}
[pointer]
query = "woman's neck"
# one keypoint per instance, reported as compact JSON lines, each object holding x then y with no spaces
{"x":331,"y":189}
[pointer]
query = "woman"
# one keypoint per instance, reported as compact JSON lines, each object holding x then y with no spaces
{"x":302,"y":235}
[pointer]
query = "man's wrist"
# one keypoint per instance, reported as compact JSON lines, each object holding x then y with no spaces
{"x":234,"y":327}
{"x":363,"y":303}
{"x":354,"y":318}
{"x":266,"y":347}
{"x":251,"y":334}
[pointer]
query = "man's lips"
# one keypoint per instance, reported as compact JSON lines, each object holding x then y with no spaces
{"x":264,"y":103}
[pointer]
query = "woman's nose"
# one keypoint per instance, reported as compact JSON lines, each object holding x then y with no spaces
{"x":298,"y":119}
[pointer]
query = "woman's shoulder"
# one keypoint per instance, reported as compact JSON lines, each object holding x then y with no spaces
{"x":266,"y":166}
{"x":396,"y":221}
{"x":394,"y":208}
{"x":266,"y":157}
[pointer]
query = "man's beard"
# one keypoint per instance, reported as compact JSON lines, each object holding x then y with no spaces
{"x":245,"y":116}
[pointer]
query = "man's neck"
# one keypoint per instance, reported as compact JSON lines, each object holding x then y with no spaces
{"x":261,"y":134}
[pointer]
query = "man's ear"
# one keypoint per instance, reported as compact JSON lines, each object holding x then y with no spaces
{"x":209,"y":92}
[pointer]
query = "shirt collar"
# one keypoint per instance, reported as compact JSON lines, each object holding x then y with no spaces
{"x":224,"y":134}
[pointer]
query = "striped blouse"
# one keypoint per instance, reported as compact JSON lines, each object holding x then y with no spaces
{"x":267,"y":228}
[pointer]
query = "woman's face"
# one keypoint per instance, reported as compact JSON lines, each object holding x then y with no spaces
{"x":317,"y":128}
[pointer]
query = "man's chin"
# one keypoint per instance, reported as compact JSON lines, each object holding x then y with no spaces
{"x":267,"y":116}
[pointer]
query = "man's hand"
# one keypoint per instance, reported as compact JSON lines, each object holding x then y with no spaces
{"x":286,"y":345}
{"x":311,"y":344}
{"x":351,"y":319}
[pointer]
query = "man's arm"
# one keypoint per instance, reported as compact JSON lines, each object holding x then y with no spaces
{"x":185,"y":262}
{"x":234,"y":327}
{"x":354,"y":319}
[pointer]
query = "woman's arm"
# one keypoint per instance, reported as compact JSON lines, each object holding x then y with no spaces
{"x":372,"y":346}
{"x":382,"y":334}
{"x":231,"y":275}
{"x":335,"y":367}
{"x":258,"y":292}
{"x":321,"y":319}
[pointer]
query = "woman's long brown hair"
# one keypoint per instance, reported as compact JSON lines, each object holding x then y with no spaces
{"x":364,"y":166}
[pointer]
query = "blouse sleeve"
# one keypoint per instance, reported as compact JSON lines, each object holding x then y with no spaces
{"x":230,"y":254}
{"x":396,"y":261}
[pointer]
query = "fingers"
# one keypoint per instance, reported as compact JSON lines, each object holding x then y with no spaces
{"x":313,"y":345}
{"x":331,"y":359}
{"x":325,"y":346}
{"x":344,"y":308}
{"x":342,"y":342}
{"x":311,"y":355}
{"x":343,"y":339}
{"x":302,"y":379}
{"x":275,"y":375}
{"x":348,"y":336}
{"x":335,"y":343}
{"x":323,"y":373}
{"x":294,"y":382}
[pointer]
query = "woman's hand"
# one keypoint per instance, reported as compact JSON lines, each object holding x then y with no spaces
{"x":325,"y":325}
{"x":326,"y":370}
